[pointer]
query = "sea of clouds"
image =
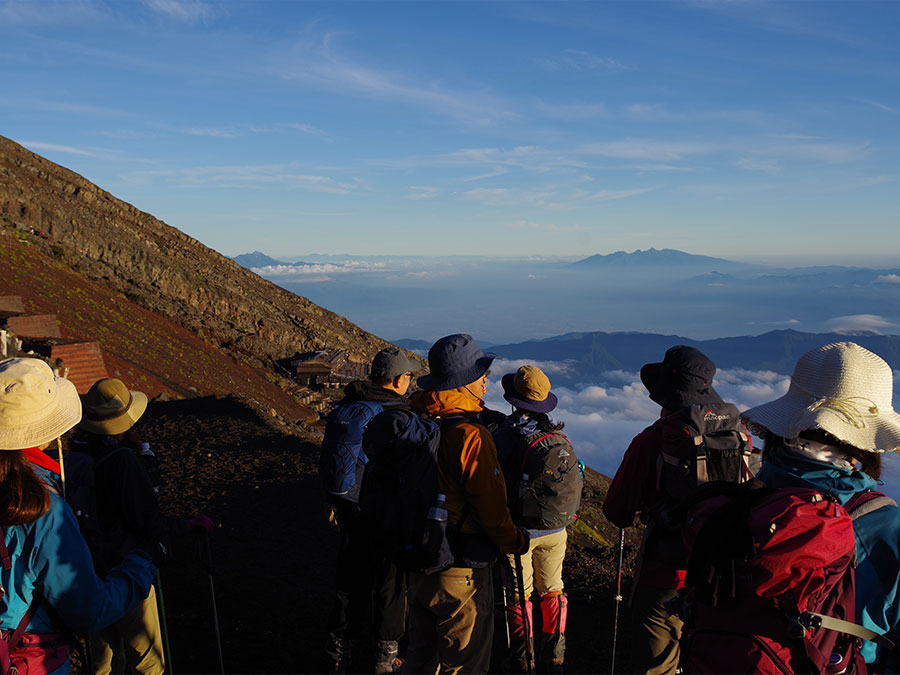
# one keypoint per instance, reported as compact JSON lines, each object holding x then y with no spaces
{"x":603,"y":416}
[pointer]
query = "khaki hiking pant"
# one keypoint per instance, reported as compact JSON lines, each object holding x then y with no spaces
{"x":133,"y":644}
{"x":451,"y":621}
{"x":542,"y":565}
{"x":656,"y":633}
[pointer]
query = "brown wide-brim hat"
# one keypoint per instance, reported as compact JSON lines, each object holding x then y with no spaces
{"x":110,"y":408}
{"x":35,"y":405}
{"x":841,"y":388}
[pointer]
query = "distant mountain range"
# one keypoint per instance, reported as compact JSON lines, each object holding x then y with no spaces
{"x":777,"y":351}
{"x":256,"y":259}
{"x":652,"y":257}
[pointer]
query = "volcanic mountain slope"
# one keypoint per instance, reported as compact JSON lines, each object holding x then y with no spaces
{"x":163,"y":269}
{"x":146,"y":350}
{"x":273,"y":551}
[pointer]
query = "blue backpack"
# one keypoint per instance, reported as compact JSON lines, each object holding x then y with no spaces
{"x":342,"y":461}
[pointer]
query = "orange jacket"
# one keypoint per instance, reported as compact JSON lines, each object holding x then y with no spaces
{"x":468,"y":469}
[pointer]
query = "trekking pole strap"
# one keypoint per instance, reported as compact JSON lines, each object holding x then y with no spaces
{"x":813,"y":620}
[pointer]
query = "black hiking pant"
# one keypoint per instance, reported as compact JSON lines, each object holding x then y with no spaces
{"x":367,"y":584}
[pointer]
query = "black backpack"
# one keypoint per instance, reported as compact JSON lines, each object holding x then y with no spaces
{"x":550,"y":496}
{"x":400,"y":486}
{"x":698,"y":445}
{"x":81,"y":496}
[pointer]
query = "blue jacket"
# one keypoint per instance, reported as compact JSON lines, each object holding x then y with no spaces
{"x":49,"y":556}
{"x":877,"y":540}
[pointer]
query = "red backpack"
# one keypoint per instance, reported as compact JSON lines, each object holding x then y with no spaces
{"x":770,"y":585}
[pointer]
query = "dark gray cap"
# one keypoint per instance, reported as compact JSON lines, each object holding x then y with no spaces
{"x":391,"y":362}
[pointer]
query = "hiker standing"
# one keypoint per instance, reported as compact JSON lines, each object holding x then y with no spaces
{"x":48,"y":577}
{"x":543,"y":489}
{"x":451,"y":612}
{"x":682,"y":379}
{"x":826,"y":433}
{"x":126,"y":505}
{"x":364,"y":578}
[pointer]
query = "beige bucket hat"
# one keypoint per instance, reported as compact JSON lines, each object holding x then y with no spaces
{"x":841,"y":388}
{"x":111,"y":408}
{"x":35,"y":405}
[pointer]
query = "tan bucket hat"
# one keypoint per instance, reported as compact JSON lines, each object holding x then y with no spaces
{"x":841,"y":388}
{"x":111,"y":408}
{"x":35,"y":405}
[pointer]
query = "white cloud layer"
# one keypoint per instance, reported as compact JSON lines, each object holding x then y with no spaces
{"x":602,"y":417}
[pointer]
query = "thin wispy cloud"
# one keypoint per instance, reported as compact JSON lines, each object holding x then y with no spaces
{"x":881,"y":106}
{"x":181,"y":10}
{"x":319,"y":63}
{"x":211,"y":132}
{"x":769,"y":166}
{"x":579,"y":61}
{"x":423,"y":192}
{"x":247,"y":177}
{"x":888,"y":279}
{"x":40,"y":146}
{"x":610,"y":195}
{"x":649,"y":149}
{"x":855,"y":323}
{"x":571,"y":111}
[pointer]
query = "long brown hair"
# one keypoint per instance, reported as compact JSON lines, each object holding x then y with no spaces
{"x":23,"y":496}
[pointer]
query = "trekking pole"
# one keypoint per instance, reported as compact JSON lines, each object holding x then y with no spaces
{"x":526,"y":622}
{"x":612,"y":668}
{"x":163,"y":627}
{"x":207,"y":562}
{"x":62,"y":466}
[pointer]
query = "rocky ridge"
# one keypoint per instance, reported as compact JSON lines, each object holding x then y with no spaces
{"x":163,"y":269}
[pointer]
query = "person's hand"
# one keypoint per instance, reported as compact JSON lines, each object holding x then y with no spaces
{"x":527,"y":538}
{"x":200,"y":524}
{"x":152,"y":546}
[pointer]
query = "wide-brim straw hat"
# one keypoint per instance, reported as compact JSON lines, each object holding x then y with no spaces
{"x":529,"y":389}
{"x":35,"y":405}
{"x":841,"y":388}
{"x":110,"y":408}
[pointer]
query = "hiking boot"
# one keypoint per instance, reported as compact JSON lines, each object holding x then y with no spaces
{"x":340,"y":652}
{"x":387,"y":657}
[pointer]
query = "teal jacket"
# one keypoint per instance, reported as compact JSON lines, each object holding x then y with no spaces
{"x":50,"y":556}
{"x":877,"y":543}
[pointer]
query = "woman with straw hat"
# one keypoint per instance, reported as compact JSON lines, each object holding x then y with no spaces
{"x":47,"y":572}
{"x":827,"y":433}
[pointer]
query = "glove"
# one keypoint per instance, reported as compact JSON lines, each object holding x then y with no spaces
{"x":200,"y":524}
{"x":155,"y":548}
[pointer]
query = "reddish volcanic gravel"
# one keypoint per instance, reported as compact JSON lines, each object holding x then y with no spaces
{"x":273,"y":552}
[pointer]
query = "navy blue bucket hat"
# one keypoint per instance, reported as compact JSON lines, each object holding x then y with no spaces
{"x":683,"y":378}
{"x":455,"y":361}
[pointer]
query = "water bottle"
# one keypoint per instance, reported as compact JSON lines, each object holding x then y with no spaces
{"x":438,"y":512}
{"x":145,"y":449}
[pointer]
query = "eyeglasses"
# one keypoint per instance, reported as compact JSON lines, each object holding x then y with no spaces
{"x":409,"y":375}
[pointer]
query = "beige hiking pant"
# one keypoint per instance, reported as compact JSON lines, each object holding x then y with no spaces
{"x":133,"y":644}
{"x":542,"y":565}
{"x":656,"y":632}
{"x":451,"y":621}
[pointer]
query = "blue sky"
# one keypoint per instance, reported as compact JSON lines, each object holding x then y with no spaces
{"x":739,"y":129}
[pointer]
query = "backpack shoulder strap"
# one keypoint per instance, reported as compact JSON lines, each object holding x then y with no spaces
{"x":540,"y":437}
{"x":866,"y":502}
